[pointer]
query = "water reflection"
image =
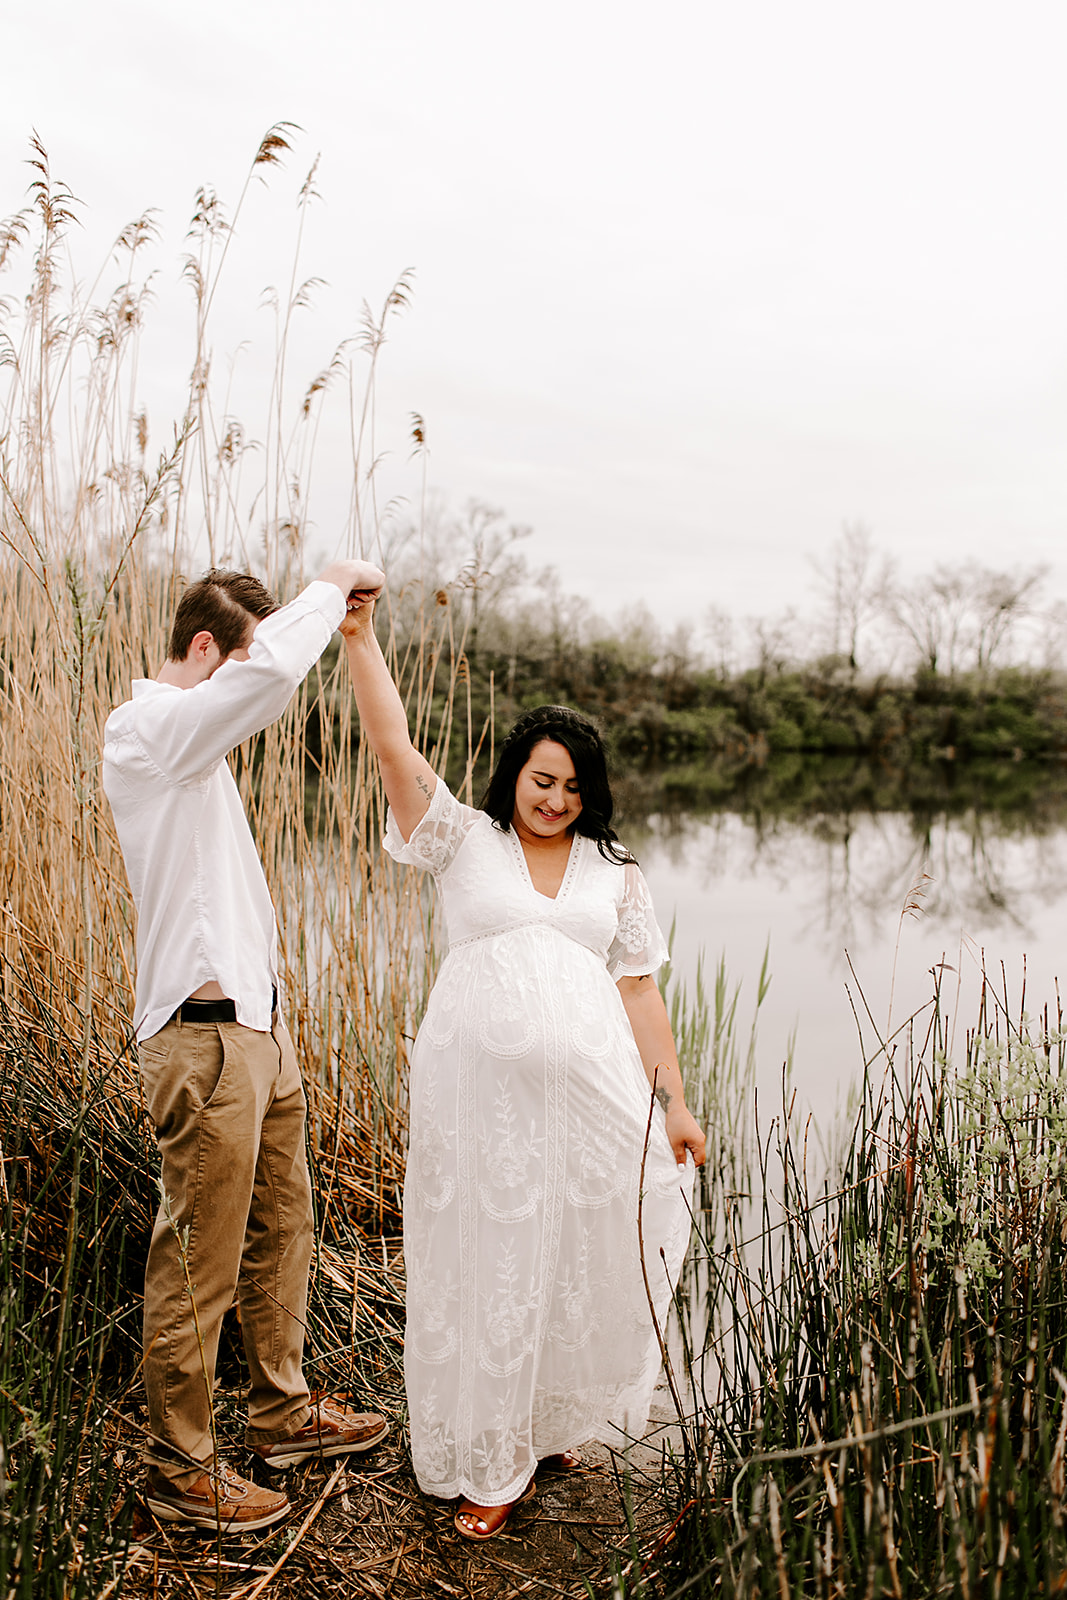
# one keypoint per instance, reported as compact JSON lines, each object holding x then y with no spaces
{"x":892,"y":895}
{"x":861,"y":908}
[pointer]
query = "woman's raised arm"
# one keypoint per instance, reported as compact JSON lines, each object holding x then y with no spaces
{"x":408,"y":777}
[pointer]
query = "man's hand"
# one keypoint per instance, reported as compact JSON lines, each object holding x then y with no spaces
{"x":359,"y":582}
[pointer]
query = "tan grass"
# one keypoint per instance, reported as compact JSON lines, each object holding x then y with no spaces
{"x":95,"y":542}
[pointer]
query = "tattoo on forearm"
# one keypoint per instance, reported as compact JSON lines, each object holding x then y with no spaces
{"x":664,"y":1097}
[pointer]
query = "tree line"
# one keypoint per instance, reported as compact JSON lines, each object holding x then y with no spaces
{"x":965,"y":662}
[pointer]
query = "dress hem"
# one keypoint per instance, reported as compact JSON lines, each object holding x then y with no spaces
{"x":460,"y":1490}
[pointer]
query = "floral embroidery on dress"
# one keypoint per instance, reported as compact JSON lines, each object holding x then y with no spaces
{"x":436,"y":838}
{"x":506,"y":1319}
{"x":587,"y":1004}
{"x":429,"y":1152}
{"x":638,"y":947}
{"x":528,"y":1327}
{"x":440,"y":1024}
{"x":505,"y":1312}
{"x":635,"y":921}
{"x":508,"y":993}
{"x":433,"y":1300}
{"x":507,"y":1153}
{"x":573,"y":1292}
{"x":434,"y":1439}
{"x":603,"y":1169}
{"x":507,"y":1156}
{"x":495,"y":1450}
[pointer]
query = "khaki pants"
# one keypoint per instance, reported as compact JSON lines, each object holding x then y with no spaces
{"x":228,"y":1108}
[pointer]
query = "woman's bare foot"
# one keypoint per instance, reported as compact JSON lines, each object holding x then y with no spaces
{"x":480,"y":1522}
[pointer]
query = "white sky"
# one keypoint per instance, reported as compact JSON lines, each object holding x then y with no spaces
{"x":697,"y":282}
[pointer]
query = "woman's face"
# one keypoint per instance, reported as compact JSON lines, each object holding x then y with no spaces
{"x":547,"y":801}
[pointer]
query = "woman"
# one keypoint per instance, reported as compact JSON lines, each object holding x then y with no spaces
{"x":528,"y":1324}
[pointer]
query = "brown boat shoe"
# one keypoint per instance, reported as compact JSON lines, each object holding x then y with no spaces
{"x":331,"y":1430}
{"x":237,"y":1506}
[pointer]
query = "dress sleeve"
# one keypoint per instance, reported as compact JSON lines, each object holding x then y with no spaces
{"x":436,"y":838}
{"x":638,"y":947}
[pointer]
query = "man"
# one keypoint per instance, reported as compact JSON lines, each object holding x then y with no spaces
{"x":220,"y":1076}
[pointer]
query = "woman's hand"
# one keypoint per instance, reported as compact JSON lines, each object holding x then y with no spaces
{"x":359,"y":581}
{"x":358,"y":617}
{"x":685,"y":1133}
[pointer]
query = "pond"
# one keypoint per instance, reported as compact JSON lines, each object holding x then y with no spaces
{"x":854,"y":910}
{"x":857,"y":912}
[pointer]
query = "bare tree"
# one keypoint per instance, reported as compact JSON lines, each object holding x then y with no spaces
{"x":959,"y":616}
{"x":774,"y":642}
{"x":492,"y":567}
{"x":565,"y":615}
{"x":1053,"y":636}
{"x":639,"y":638}
{"x":932,"y":613}
{"x":1001,"y":601}
{"x":719,"y":627}
{"x":854,"y":581}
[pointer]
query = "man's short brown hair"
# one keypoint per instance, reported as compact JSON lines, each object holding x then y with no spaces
{"x":220,"y":603}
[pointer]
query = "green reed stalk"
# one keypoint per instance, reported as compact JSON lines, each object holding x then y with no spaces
{"x":880,"y":1401}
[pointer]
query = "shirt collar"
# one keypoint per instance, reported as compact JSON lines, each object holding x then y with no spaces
{"x":142,"y":686}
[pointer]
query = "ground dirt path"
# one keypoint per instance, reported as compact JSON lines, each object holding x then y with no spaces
{"x":361,"y":1527}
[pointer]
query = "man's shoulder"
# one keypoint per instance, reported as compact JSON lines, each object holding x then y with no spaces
{"x":146,"y":696}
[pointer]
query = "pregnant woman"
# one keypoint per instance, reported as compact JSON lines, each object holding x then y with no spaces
{"x":528,"y":1323}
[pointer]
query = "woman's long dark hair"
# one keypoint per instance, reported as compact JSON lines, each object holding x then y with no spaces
{"x":582,"y":742}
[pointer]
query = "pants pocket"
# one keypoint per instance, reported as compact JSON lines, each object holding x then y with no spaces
{"x":181,"y":1068}
{"x":214,"y":1052}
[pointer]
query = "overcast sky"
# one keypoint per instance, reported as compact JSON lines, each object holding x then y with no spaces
{"x":696,"y":282}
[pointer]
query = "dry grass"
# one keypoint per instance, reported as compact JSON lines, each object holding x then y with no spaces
{"x":95,"y":542}
{"x":94,"y":545}
{"x":369,"y":1532}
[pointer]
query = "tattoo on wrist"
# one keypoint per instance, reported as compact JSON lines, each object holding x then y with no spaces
{"x":664,"y":1097}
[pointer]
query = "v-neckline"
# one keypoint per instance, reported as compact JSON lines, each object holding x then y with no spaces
{"x":524,"y":867}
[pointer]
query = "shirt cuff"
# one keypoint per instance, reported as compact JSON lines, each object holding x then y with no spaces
{"x":327,"y":600}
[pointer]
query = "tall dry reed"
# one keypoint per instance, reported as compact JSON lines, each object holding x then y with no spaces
{"x":96,"y":540}
{"x":98,"y":533}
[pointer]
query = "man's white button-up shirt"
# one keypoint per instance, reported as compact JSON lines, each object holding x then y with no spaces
{"x":203,"y":908}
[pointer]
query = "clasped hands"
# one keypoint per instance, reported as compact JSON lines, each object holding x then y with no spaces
{"x":361,"y":583}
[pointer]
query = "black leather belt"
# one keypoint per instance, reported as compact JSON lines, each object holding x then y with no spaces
{"x":213,"y":1010}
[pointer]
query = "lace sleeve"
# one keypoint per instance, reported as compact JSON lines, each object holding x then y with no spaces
{"x":437,"y":837}
{"x":638,"y":947}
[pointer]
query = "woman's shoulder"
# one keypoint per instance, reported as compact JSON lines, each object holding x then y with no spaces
{"x":613,"y":852}
{"x":445,"y":799}
{"x":438,"y":834}
{"x":615,"y":864}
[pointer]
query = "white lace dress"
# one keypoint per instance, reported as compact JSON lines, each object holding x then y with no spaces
{"x":528,"y":1326}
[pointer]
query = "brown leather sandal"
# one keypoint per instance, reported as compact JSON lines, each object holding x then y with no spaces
{"x":565,"y":1461}
{"x":482,"y":1514}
